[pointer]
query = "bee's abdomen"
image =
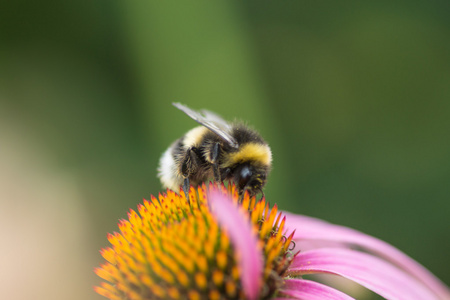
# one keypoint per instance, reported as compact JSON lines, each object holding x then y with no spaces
{"x":168,"y":169}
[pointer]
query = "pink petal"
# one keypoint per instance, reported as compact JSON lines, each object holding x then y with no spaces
{"x":314,"y":229}
{"x":244,"y":241}
{"x":311,"y":290}
{"x":371,"y":272}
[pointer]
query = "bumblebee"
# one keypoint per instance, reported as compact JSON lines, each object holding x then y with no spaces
{"x":216,"y":150}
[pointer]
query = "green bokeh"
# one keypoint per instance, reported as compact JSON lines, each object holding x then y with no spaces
{"x":354,"y":100}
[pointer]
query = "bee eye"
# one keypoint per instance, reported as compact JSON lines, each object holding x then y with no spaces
{"x":244,"y":176}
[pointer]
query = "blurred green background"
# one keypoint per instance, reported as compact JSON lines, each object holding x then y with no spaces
{"x":353,"y":98}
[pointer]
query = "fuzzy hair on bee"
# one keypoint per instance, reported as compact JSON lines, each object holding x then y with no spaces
{"x":216,"y":150}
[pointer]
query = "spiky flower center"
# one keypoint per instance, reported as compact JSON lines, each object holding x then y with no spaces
{"x":176,"y":249}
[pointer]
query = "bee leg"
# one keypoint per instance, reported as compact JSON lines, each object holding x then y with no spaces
{"x":188,"y":167}
{"x":215,"y":161}
{"x":241,"y":196}
{"x":186,"y":188}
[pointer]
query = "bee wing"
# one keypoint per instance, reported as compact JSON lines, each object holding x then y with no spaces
{"x":216,"y":119}
{"x":211,"y":121}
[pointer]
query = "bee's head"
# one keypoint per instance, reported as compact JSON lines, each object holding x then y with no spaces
{"x":250,"y":177}
{"x":248,"y":166}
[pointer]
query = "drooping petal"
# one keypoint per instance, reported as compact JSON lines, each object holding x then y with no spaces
{"x":243,"y":239}
{"x":312,"y":229}
{"x":371,"y":272}
{"x":310,"y":290}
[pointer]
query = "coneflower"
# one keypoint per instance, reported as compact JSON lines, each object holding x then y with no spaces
{"x":220,"y":246}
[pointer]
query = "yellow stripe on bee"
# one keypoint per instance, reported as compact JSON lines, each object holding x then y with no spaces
{"x":259,"y":153}
{"x":194,"y":136}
